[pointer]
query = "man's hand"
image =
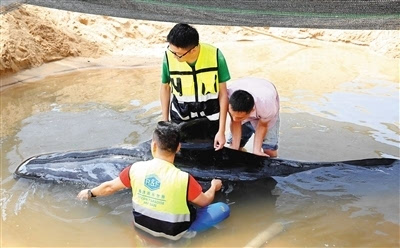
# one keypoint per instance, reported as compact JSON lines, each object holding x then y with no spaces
{"x":219,"y":141}
{"x":217,"y":184}
{"x":204,"y":199}
{"x":83,"y":195}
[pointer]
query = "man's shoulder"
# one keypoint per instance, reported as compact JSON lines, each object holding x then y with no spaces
{"x":208,"y":46}
{"x":141,"y":163}
{"x":205,"y":44}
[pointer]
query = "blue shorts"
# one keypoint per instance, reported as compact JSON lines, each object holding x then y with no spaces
{"x":270,"y":141}
{"x":209,"y":216}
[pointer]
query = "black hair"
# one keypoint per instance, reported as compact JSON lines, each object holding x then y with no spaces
{"x":241,"y":101}
{"x":183,"y":36}
{"x":167,"y":136}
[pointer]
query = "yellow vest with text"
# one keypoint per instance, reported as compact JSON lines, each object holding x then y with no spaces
{"x":195,"y":89}
{"x":159,"y":197}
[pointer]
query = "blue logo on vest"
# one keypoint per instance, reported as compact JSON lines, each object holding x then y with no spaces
{"x":152,"y":182}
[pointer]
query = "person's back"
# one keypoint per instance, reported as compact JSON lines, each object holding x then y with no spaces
{"x":159,"y":189}
{"x":159,"y":198}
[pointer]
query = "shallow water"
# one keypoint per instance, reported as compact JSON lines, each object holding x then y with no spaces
{"x":327,"y":207}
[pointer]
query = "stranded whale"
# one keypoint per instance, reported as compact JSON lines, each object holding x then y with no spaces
{"x":96,"y":166}
{"x":197,"y":157}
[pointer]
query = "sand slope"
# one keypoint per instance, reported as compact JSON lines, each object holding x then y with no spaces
{"x":31,"y":36}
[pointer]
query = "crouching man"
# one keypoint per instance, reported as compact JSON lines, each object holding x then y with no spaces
{"x":254,"y":109}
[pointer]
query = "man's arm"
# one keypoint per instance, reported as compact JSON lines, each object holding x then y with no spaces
{"x":236,"y":130}
{"x":104,"y":189}
{"x":219,"y":140}
{"x":204,"y":199}
{"x":165,"y":94}
{"x":165,"y":90}
{"x":261,"y":131}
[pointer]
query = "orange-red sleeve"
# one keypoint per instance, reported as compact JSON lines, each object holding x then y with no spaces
{"x":124,"y":176}
{"x":194,"y":189}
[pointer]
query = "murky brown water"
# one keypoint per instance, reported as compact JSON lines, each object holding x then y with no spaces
{"x":350,"y":118}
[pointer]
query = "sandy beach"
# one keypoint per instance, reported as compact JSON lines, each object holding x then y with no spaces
{"x":32,"y":36}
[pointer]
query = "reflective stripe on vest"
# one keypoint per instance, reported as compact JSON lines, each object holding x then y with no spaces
{"x":159,"y":198}
{"x":195,"y":90}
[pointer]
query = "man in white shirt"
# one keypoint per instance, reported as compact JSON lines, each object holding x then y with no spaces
{"x":254,"y":109}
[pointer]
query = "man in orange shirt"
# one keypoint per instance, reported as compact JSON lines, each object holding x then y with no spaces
{"x":162,"y":193}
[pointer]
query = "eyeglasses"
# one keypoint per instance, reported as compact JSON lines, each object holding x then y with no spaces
{"x":180,"y":56}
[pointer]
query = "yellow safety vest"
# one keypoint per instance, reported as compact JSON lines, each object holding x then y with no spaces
{"x":159,"y":197}
{"x":195,"y":89}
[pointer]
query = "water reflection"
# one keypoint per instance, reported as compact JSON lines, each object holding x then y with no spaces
{"x":381,"y":102}
{"x":337,"y":203}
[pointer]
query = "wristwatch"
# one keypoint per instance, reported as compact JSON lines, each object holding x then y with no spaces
{"x":90,"y":194}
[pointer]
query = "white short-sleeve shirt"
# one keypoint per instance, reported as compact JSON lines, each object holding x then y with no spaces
{"x":266,"y":99}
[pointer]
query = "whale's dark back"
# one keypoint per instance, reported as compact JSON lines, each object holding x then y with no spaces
{"x":196,"y":157}
{"x":96,"y":166}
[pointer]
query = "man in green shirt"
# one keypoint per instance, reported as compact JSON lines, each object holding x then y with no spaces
{"x":194,"y":79}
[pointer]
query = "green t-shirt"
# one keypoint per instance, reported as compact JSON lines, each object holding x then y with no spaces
{"x":223,"y":71}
